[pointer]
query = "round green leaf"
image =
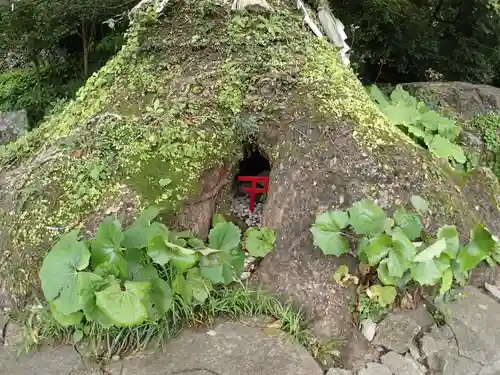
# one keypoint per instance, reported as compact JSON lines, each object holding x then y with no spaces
{"x":124,"y":307}
{"x":224,"y":236}
{"x":366,"y":217}
{"x":107,"y":245}
{"x":259,"y":241}
{"x":59,"y":272}
{"x":409,"y":222}
{"x":450,"y":234}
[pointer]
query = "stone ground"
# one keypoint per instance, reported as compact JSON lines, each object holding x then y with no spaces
{"x":409,"y":343}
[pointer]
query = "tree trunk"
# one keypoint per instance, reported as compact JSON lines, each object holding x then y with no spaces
{"x":36,"y":64}
{"x":86,"y":42}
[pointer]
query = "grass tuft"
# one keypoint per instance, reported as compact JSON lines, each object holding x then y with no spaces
{"x":236,"y":302}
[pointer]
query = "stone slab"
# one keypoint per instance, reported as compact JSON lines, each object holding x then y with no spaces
{"x":397,"y":331}
{"x":63,"y":360}
{"x":375,"y":369}
{"x":237,"y":348}
{"x":400,"y":365}
{"x":475,"y":321}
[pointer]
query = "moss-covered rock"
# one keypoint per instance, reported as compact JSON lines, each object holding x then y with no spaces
{"x":173,"y":105}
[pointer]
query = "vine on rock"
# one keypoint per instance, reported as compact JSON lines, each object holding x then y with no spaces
{"x":398,"y":249}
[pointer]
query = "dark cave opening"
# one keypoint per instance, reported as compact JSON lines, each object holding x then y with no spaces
{"x":254,"y":163}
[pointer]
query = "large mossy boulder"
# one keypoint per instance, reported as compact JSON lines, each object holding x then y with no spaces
{"x":163,"y":123}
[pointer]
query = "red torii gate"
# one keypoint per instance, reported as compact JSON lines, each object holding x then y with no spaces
{"x":254,"y":190}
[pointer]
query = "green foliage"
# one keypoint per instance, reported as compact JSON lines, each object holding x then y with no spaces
{"x":421,"y":40}
{"x":422,"y":124}
{"x":125,"y":278}
{"x":259,"y":241}
{"x":400,"y":251}
{"x":19,"y":88}
{"x":489,"y":126}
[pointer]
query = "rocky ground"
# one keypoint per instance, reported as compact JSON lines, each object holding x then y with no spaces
{"x":409,"y":342}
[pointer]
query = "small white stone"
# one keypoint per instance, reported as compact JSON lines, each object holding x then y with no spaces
{"x":368,"y":329}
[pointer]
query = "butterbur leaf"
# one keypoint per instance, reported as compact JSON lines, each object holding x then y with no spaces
{"x":420,"y":204}
{"x":147,"y":216}
{"x":139,"y":266}
{"x":409,"y":222}
{"x":107,"y":245}
{"x":59,"y":272}
{"x":88,"y":284}
{"x":482,"y":245}
{"x":196,"y":243}
{"x":443,"y":148}
{"x":431,"y":252}
{"x":161,"y":297}
{"x":366,"y":217}
{"x":218,"y":218}
{"x":237,"y":260}
{"x":450,"y":234}
{"x":136,"y":236}
{"x":63,"y":319}
{"x":416,"y":131}
{"x":107,"y":269}
{"x":259,"y":241}
{"x":378,"y":248}
{"x":211,"y":268}
{"x":158,"y":250}
{"x":224,"y":236}
{"x":181,"y":288}
{"x":198,"y":286}
{"x":124,"y":307}
{"x":379,"y":97}
{"x":446,"y":282}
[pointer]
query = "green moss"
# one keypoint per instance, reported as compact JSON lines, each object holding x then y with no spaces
{"x":489,"y":126}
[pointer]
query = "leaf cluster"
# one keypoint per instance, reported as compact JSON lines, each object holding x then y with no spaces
{"x":124,"y":278}
{"x":398,"y":248}
{"x":425,"y":126}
